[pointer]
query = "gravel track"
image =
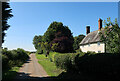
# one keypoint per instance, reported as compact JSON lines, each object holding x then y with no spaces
{"x":31,"y":71}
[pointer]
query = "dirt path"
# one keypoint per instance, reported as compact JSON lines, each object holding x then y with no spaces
{"x":31,"y":70}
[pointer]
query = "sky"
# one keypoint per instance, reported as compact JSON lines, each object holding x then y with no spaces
{"x":33,"y":18}
{"x":64,"y":0}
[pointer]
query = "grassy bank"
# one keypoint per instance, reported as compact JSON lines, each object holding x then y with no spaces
{"x":48,"y":65}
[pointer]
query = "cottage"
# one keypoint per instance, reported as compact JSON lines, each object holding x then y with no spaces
{"x":92,"y":40}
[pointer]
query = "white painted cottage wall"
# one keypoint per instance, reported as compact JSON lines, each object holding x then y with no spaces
{"x":96,"y":47}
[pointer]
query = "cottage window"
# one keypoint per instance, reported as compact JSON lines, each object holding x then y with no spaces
{"x":98,"y":43}
{"x":99,"y":51}
{"x":82,"y":45}
{"x":88,"y":44}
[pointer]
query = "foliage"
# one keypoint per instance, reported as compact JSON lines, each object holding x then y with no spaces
{"x":77,"y":40}
{"x":100,"y":65}
{"x":66,"y":61}
{"x":39,"y":51}
{"x":54,"y":46}
{"x":62,"y":43}
{"x":37,"y":41}
{"x":111,"y":36}
{"x":55,"y":27}
{"x":13,"y":58}
{"x":6,"y":14}
{"x":78,"y":51}
{"x":57,"y":33}
{"x":39,"y":44}
{"x":57,"y":38}
{"x":8,"y":75}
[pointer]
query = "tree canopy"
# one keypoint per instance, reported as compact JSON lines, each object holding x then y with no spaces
{"x":55,"y":27}
{"x":111,"y":36}
{"x":6,"y":14}
{"x":56,"y":38}
{"x":62,"y":43}
{"x":36,"y":41}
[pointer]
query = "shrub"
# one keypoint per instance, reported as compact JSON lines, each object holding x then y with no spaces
{"x":13,"y":58}
{"x":104,"y":65}
{"x":5,"y":61}
{"x":90,"y":63}
{"x":78,"y":51}
{"x":66,"y":61}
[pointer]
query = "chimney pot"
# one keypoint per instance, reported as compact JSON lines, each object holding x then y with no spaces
{"x":87,"y":29}
{"x":99,"y":24}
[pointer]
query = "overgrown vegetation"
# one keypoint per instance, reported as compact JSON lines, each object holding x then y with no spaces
{"x":11,"y":61}
{"x":111,"y":36}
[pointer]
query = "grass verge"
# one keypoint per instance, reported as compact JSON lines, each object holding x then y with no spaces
{"x":49,"y":66}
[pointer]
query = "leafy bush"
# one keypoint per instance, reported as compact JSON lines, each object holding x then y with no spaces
{"x":66,"y":61}
{"x":13,"y":58}
{"x":101,"y":64}
{"x":90,"y":63}
{"x":78,"y":50}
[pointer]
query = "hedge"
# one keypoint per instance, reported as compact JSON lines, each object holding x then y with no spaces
{"x":101,"y":64}
{"x":13,"y":58}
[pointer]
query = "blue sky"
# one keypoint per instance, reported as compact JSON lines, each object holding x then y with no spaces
{"x":64,"y":0}
{"x":33,"y":18}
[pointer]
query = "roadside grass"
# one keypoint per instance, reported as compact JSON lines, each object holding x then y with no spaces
{"x":49,"y":66}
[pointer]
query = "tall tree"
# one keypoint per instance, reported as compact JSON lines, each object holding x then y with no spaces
{"x":111,"y":36}
{"x":55,"y":27}
{"x":6,"y":14}
{"x":37,"y":41}
{"x":57,"y":30}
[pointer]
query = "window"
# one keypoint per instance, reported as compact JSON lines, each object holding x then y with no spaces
{"x":88,"y":44}
{"x":99,"y":51}
{"x":98,"y":43}
{"x":82,"y":45}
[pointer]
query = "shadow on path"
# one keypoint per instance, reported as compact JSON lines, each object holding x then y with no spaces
{"x":27,"y":77}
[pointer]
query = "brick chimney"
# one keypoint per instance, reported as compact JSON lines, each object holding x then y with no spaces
{"x":99,"y":24}
{"x":87,"y":29}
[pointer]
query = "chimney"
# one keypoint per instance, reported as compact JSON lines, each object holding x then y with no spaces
{"x":87,"y":29}
{"x":99,"y":24}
